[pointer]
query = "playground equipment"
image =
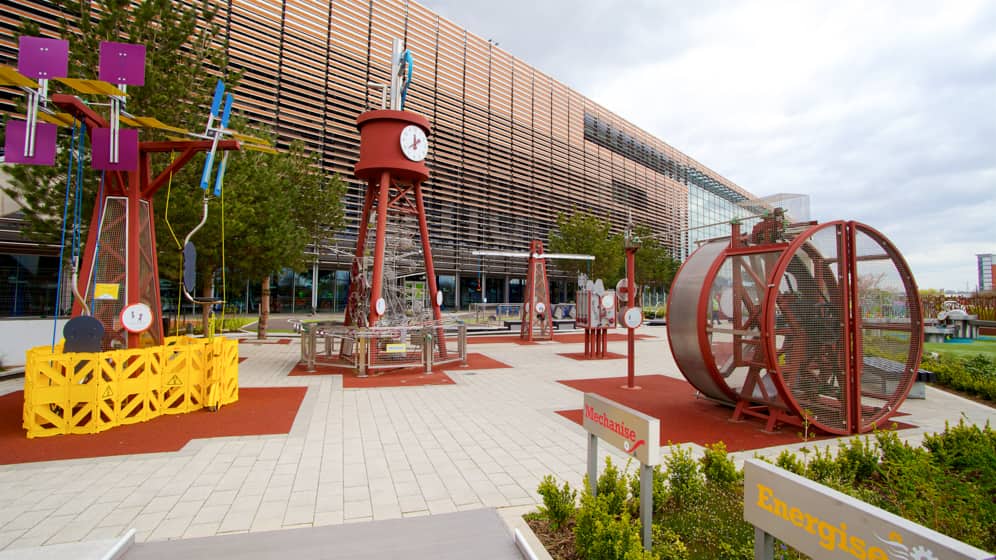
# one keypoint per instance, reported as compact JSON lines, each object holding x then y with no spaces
{"x":116,"y":367}
{"x":536,"y":319}
{"x":800,"y":335}
{"x":377,"y":332}
{"x":596,"y":314}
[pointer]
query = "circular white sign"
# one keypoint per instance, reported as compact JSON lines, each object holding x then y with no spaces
{"x":137,"y":317}
{"x":632,"y":318}
{"x":608,"y":301}
{"x":622,"y":290}
{"x":540,"y":307}
{"x":414,"y":144}
{"x":380,"y":306}
{"x":439,"y":297}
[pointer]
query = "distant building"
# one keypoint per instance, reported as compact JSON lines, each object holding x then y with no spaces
{"x":986,"y":272}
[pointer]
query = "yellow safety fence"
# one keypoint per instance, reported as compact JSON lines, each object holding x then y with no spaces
{"x":86,"y":393}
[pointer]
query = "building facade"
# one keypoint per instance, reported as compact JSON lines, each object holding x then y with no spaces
{"x":987,"y":269}
{"x":511,"y":147}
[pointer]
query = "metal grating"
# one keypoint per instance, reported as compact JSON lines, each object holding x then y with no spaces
{"x":810,"y":332}
{"x":888,"y":359}
{"x":149,"y":282}
{"x":110,"y":268}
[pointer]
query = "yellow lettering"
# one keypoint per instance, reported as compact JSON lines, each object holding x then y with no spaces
{"x":843,"y":537}
{"x":763,"y":494}
{"x":796,"y":516}
{"x":811,"y":524}
{"x":828,"y":535}
{"x":781,"y":509}
{"x":858,"y":548}
{"x":876,"y":553}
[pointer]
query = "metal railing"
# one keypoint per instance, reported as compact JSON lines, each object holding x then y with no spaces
{"x":378,"y":348}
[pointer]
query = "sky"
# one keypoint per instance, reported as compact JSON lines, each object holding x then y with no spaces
{"x":882,"y":112}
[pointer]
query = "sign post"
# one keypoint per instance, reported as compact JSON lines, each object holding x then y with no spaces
{"x":828,"y":525}
{"x":637,"y":435}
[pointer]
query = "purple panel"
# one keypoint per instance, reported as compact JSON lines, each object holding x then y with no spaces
{"x":127,"y":149}
{"x":42,"y":58}
{"x":13,"y":147}
{"x":122,"y":63}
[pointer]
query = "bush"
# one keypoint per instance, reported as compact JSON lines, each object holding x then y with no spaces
{"x":975,"y":375}
{"x":718,"y":468}
{"x":558,"y":503}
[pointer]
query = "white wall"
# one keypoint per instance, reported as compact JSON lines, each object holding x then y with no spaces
{"x":17,"y":336}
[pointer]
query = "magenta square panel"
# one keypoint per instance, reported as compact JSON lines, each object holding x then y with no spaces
{"x":122,"y":63}
{"x":127,"y":149}
{"x":42,"y":58}
{"x":17,"y":132}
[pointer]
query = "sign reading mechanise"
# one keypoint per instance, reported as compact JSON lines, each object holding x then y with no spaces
{"x":825,"y":524}
{"x":634,"y":432}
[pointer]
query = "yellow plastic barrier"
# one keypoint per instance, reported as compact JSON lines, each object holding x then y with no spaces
{"x":86,"y":393}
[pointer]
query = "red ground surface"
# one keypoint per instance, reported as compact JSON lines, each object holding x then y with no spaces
{"x":258,"y":411}
{"x":684,"y":418}
{"x":573,"y":338}
{"x":580,"y":356}
{"x":266,"y":341}
{"x":401,"y":377}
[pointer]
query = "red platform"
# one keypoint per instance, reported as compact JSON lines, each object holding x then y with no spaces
{"x":400,"y":377}
{"x":685,"y":418}
{"x":259,"y":411}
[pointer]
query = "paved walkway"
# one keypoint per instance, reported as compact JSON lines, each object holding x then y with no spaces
{"x":355,"y":455}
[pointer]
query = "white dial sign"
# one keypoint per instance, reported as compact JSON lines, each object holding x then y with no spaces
{"x":136,"y":318}
{"x":632,"y":318}
{"x":414,"y":144}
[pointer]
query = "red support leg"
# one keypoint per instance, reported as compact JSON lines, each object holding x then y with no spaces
{"x":379,"y":246}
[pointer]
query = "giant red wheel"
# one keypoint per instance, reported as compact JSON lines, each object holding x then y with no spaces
{"x":814,"y":323}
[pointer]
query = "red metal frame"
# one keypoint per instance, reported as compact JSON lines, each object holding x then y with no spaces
{"x":136,"y":186}
{"x":536,"y":276}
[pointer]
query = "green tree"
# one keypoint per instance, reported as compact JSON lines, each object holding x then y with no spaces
{"x":276,"y":206}
{"x":183,"y":59}
{"x":586,"y":234}
{"x":653,"y":263}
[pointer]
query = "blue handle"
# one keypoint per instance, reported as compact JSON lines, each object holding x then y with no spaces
{"x":206,"y":174}
{"x":219,"y":92}
{"x":227,"y":112}
{"x":219,"y":179}
{"x":410,"y":63}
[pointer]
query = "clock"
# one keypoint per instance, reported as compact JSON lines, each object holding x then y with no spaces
{"x":136,"y":318}
{"x":632,"y":318}
{"x":414,"y":144}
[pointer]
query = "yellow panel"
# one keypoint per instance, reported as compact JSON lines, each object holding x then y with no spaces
{"x":251,"y":139}
{"x":9,"y":76}
{"x":58,"y":119}
{"x":92,"y":87}
{"x":259,"y":148}
{"x":152,"y":122}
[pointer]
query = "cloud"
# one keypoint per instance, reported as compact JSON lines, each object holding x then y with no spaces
{"x":881,"y":112}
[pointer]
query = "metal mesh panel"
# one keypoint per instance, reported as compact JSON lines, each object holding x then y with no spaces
{"x":148,"y":282}
{"x":110,"y":268}
{"x":810,"y":330}
{"x":887,"y":328}
{"x":736,"y":297}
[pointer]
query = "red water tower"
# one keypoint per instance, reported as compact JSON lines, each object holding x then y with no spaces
{"x":393,"y":146}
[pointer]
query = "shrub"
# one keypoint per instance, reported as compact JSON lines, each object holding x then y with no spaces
{"x":717,"y":466}
{"x":790,"y":462}
{"x":857,"y":460}
{"x":613,"y":488}
{"x":558,"y":503}
{"x":598,"y":534}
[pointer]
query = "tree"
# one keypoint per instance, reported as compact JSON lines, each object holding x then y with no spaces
{"x":183,"y":59}
{"x":653,"y":262}
{"x":276,"y":205}
{"x":586,"y":234}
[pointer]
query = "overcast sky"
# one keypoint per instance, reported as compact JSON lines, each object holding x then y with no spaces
{"x":882,"y":112}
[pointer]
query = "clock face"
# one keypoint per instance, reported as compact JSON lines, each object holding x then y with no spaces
{"x":414,"y":144}
{"x":137,"y":317}
{"x":633,"y":317}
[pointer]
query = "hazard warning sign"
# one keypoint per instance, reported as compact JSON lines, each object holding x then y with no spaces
{"x":108,"y":393}
{"x":174,"y":381}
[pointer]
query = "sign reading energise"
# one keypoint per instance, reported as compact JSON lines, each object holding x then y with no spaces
{"x":825,"y":524}
{"x":634,"y":432}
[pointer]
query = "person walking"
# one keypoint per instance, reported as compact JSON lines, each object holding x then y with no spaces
{"x":715,"y":310}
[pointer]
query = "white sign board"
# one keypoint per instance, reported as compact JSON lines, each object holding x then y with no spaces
{"x":633,"y":432}
{"x":825,"y":524}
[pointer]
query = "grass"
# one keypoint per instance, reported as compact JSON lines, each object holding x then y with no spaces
{"x":984,"y":347}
